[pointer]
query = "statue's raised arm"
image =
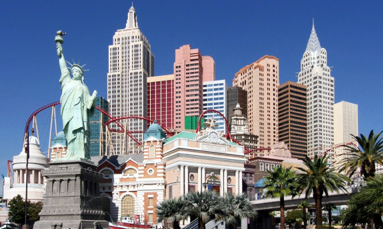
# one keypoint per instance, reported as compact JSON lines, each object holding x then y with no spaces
{"x":76,"y":106}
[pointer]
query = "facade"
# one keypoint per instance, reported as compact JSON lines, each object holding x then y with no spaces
{"x":239,"y":130}
{"x":59,"y":146}
{"x":234,"y":96}
{"x":261,"y":80}
{"x":15,"y":185}
{"x":214,"y":98}
{"x":191,"y":69}
{"x":345,"y":125}
{"x":197,"y":162}
{"x":161,"y":100}
{"x":315,"y":74}
{"x":98,"y":129}
{"x":135,"y":183}
{"x":292,"y":111}
{"x":131,"y":62}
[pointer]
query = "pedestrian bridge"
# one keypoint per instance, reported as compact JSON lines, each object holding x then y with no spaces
{"x":272,"y":204}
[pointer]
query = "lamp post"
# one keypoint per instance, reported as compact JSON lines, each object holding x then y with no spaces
{"x":26,"y":149}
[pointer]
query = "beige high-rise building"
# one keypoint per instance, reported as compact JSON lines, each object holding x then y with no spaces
{"x":261,"y":80}
{"x":345,"y":122}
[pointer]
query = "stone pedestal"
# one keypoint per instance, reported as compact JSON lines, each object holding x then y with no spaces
{"x":72,"y":197}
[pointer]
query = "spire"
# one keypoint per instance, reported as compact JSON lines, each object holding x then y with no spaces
{"x":313,"y":45}
{"x":132,"y":19}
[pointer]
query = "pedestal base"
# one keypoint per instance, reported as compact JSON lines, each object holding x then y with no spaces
{"x":72,"y":199}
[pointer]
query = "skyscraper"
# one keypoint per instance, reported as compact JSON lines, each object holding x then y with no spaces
{"x":97,"y":128}
{"x":131,"y":62}
{"x":161,"y":100}
{"x":261,"y":80}
{"x":316,"y":76}
{"x":345,"y":122}
{"x":236,"y":95}
{"x":191,"y":69}
{"x":292,"y":111}
{"x":214,"y":98}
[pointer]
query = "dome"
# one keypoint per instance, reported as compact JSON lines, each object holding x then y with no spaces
{"x":59,"y":139}
{"x":156,"y":131}
{"x":35,"y":153}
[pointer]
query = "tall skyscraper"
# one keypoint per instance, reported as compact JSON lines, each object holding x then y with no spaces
{"x":261,"y":80}
{"x":345,"y":122}
{"x":214,"y":98}
{"x":191,"y":69}
{"x":316,"y":76}
{"x":292,"y":111}
{"x":97,"y":128}
{"x":236,"y":95}
{"x":161,"y":100}
{"x":131,"y":62}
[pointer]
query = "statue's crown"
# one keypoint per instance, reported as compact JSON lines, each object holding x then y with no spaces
{"x":78,"y":66}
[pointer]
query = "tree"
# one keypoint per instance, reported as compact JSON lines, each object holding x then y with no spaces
{"x":319,"y":178}
{"x":279,"y":183}
{"x":171,"y":209}
{"x":236,"y":208}
{"x":364,"y":157}
{"x":204,"y":206}
{"x":367,"y":205}
{"x":329,"y":208}
{"x":296,"y":216}
{"x":17,"y":210}
{"x":304,"y":205}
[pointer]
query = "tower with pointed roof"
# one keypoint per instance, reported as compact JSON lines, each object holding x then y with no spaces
{"x":316,"y":75}
{"x":131,"y":62}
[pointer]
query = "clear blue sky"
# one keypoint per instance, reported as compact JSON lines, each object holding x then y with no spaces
{"x":234,"y":33}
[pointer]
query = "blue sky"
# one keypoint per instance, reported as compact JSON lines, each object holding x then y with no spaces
{"x":234,"y":33}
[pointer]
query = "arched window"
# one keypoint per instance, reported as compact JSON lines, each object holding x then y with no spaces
{"x":152,"y":151}
{"x":107,"y":174}
{"x":127,"y":206}
{"x":130,"y":172}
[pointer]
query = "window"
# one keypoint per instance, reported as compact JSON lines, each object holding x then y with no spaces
{"x":127,"y":206}
{"x":150,"y":219}
{"x":261,"y":167}
{"x":267,"y":166}
{"x":152,"y":151}
{"x":170,"y":192}
{"x":150,"y":201}
{"x":130,"y":172}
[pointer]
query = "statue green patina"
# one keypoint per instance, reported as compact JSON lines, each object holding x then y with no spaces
{"x":76,"y":106}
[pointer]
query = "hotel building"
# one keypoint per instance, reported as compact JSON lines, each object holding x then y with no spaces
{"x":214,"y":98}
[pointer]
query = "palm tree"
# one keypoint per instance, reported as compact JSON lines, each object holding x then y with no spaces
{"x":368,"y":202}
{"x":364,"y":157}
{"x":318,"y":178}
{"x":279,"y":183}
{"x":329,"y":208}
{"x":304,"y":205}
{"x":172,"y":209}
{"x":204,"y":206}
{"x":236,"y":208}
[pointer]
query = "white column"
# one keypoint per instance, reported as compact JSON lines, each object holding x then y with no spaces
{"x":203,"y":177}
{"x":32,"y":181}
{"x":199,"y":189}
{"x":240,"y":182}
{"x":221,"y":180}
{"x":236,"y":183}
{"x":186,"y":179}
{"x":182,"y":176}
{"x":225,"y":181}
{"x":39,"y":177}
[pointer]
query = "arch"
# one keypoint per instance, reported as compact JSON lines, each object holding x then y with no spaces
{"x":130,"y":171}
{"x":107,"y":173}
{"x":127,"y":205}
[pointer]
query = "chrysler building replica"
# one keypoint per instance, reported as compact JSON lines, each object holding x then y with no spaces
{"x":316,"y":75}
{"x":130,"y":63}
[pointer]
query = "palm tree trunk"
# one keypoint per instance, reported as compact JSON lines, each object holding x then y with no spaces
{"x":318,"y":208}
{"x":378,"y":221}
{"x":329,"y":218}
{"x":201,"y":224}
{"x":304,"y":217}
{"x":282,"y":206}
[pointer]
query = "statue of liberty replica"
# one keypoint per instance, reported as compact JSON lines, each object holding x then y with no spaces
{"x":72,"y":197}
{"x":76,"y":106}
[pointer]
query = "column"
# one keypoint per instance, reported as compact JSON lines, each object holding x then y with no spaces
{"x":236,"y":183}
{"x":182,"y":176}
{"x":32,"y":181}
{"x":199,"y":188}
{"x":186,"y":179}
{"x":221,"y":181}
{"x":240,"y":182}
{"x":39,"y":177}
{"x":225,"y":181}
{"x":203,"y":177}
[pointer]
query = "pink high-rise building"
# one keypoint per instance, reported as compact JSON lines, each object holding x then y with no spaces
{"x":261,"y":80}
{"x":161,"y":100}
{"x":191,"y":69}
